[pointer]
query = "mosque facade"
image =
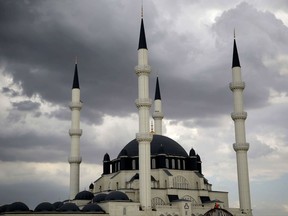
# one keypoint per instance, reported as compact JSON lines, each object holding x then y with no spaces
{"x":152,"y":174}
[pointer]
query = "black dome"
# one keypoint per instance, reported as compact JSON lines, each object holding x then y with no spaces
{"x":17,"y":207}
{"x":99,"y":197}
{"x":3,"y":208}
{"x":116,"y":195}
{"x":84,"y":195}
{"x":167,"y":145}
{"x":92,"y":207}
{"x":106,"y":157}
{"x":45,"y":206}
{"x":57,"y":204}
{"x":192,"y":152}
{"x":69,"y":207}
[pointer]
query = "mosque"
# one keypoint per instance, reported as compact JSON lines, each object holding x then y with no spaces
{"x":153,"y":174}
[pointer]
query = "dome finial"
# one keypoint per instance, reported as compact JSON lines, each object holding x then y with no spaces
{"x":152,"y":128}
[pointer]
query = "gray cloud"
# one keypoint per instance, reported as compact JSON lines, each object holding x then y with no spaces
{"x":26,"y":105}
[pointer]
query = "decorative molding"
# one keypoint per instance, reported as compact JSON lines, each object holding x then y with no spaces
{"x":143,"y":70}
{"x":143,"y":102}
{"x":73,"y":159}
{"x":75,"y":105}
{"x":75,"y":132}
{"x":241,"y":146}
{"x":238,"y":115}
{"x":142,"y":137}
{"x":237,"y":85}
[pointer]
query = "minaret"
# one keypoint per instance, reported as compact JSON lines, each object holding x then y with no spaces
{"x":75,"y":133}
{"x":158,"y":115}
{"x":144,"y":137}
{"x":240,"y":146}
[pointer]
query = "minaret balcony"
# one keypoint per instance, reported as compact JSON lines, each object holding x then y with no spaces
{"x":75,"y":105}
{"x":75,"y":132}
{"x":241,"y":146}
{"x":142,"y":137}
{"x":238,"y":115}
{"x":143,"y":102}
{"x":237,"y":85}
{"x":158,"y":115}
{"x":75,"y":159}
{"x":143,"y":70}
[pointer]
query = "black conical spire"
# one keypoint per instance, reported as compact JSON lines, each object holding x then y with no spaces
{"x":142,"y":38}
{"x":235,"y":60}
{"x":76,"y":79}
{"x":157,"y":91}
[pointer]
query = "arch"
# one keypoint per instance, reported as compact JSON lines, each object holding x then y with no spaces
{"x":180,"y":182}
{"x":157,"y":201}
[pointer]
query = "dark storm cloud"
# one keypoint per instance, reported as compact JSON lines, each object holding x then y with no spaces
{"x":10,"y":92}
{"x":26,"y":105}
{"x":32,"y":193}
{"x":34,"y":148}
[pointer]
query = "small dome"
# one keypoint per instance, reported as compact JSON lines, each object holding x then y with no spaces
{"x":17,"y":207}
{"x":45,"y":206}
{"x":192,"y":152}
{"x":91,"y":186}
{"x":117,"y":195}
{"x":3,"y":208}
{"x":69,"y":207}
{"x":92,"y":207}
{"x":106,"y":157}
{"x":217,"y":211}
{"x":99,"y":198}
{"x":84,"y":195}
{"x":57,"y":204}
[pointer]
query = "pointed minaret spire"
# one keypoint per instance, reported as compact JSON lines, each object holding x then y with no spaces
{"x":142,"y":37}
{"x":240,"y":146}
{"x":76,"y":79}
{"x":158,"y":115}
{"x":157,"y":91}
{"x":75,"y":132}
{"x":235,"y":60}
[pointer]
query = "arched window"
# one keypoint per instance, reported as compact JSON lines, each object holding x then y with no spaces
{"x":173,"y":163}
{"x":180,"y":182}
{"x":134,"y":164}
{"x":167,"y":162}
{"x":157,"y":201}
{"x":153,"y":163}
{"x":179,"y":164}
{"x":184,"y":165}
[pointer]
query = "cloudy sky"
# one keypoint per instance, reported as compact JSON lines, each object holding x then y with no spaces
{"x":190,"y":49}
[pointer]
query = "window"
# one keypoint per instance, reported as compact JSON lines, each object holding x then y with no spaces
{"x":153,"y":163}
{"x":180,"y":182}
{"x":134,"y":164}
{"x":167,"y":162}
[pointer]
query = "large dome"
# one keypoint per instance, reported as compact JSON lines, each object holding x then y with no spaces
{"x":159,"y":145}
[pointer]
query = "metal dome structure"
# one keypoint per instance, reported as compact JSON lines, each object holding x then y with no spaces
{"x":45,"y":207}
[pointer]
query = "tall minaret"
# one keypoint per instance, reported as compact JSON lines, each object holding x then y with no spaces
{"x":158,"y":115}
{"x":75,"y":133}
{"x":240,"y":146}
{"x":144,"y":137}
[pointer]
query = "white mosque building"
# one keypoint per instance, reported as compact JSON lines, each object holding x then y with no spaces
{"x":153,"y":174}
